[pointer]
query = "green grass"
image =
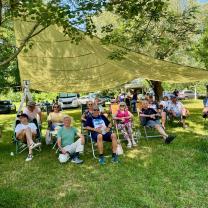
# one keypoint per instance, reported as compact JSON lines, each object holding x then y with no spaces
{"x":153,"y":175}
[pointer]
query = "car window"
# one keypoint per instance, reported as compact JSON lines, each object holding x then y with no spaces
{"x":188,"y":91}
{"x":4,"y":102}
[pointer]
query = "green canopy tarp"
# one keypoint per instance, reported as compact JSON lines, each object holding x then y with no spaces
{"x":54,"y":64}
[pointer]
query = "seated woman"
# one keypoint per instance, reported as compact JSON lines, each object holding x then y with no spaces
{"x":55,"y":118}
{"x":26,"y":132}
{"x":123,"y":117}
{"x":151,"y":120}
{"x":87,"y":113}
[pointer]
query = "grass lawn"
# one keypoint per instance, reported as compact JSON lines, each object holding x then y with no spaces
{"x":153,"y":175}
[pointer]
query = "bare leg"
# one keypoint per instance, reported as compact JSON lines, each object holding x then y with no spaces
{"x":29,"y":139}
{"x":100,"y":143}
{"x":114,"y":143}
{"x":163,"y":118}
{"x":161,"y":131}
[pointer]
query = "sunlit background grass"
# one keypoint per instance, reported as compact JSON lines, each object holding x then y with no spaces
{"x":149,"y":176}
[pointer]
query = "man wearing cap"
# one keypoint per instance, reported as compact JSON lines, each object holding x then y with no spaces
{"x":26,"y":132}
{"x":33,"y":112}
{"x":100,"y":128}
{"x":177,"y":110}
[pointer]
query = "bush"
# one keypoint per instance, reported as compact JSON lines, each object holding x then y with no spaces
{"x":38,"y":97}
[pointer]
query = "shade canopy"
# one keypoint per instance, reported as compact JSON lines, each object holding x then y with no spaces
{"x":54,"y":64}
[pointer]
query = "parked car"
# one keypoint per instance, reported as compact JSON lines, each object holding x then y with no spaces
{"x":45,"y":106}
{"x":68,"y":100}
{"x":186,"y":94}
{"x":84,"y":99}
{"x":6,"y":106}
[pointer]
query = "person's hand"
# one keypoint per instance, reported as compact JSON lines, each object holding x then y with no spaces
{"x":123,"y":119}
{"x":63,"y":151}
{"x":98,"y":131}
{"x":107,"y":129}
{"x":152,"y":116}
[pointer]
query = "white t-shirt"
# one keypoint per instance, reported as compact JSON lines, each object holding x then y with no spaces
{"x":20,"y":127}
{"x":176,"y":107}
{"x":165,"y":104}
{"x":32,"y":115}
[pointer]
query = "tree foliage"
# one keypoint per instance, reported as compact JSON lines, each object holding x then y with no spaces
{"x":159,"y":36}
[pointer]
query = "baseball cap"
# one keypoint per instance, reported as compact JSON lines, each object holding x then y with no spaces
{"x":23,"y":115}
{"x":173,"y":96}
{"x":31,"y":103}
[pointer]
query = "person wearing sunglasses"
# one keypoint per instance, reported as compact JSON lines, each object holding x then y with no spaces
{"x":100,"y":128}
{"x":87,"y":113}
{"x":124,"y":123}
{"x":55,"y":118}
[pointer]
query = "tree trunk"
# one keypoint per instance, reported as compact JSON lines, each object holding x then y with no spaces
{"x":157,"y":88}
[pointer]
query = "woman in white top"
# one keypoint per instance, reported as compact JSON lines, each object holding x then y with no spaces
{"x":26,"y":132}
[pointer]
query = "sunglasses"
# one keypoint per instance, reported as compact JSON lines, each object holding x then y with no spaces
{"x":89,"y":104}
{"x":96,"y":110}
{"x":122,"y":105}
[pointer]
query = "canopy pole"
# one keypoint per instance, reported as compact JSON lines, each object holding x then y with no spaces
{"x":26,"y":94}
{"x":195,"y":93}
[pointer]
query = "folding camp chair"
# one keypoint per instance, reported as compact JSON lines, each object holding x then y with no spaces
{"x":149,"y":132}
{"x":113,"y":109}
{"x":20,"y":146}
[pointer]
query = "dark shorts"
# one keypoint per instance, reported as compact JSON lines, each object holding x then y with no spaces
{"x":106,"y":137}
{"x":153,"y":123}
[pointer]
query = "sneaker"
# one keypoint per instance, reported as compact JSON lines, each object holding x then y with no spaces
{"x":115,"y":159}
{"x":169,"y":139}
{"x":29,"y":158}
{"x":129,"y":145}
{"x":134,"y":143}
{"x":101,"y":160}
{"x":185,"y":126}
{"x":34,"y":145}
{"x":76,"y":160}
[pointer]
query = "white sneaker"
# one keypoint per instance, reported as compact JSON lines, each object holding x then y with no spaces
{"x":29,"y":158}
{"x":134,"y":143}
{"x":34,"y":145}
{"x":129,"y":145}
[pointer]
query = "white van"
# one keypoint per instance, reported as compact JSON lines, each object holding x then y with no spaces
{"x":68,"y":100}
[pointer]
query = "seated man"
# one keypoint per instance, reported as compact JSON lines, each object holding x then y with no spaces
{"x":205,"y":109}
{"x":151,"y":120}
{"x":26,"y":132}
{"x":100,"y":127}
{"x":66,"y":142}
{"x":177,"y":110}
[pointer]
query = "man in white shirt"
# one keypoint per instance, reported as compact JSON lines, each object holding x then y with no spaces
{"x":177,"y":110}
{"x":26,"y":132}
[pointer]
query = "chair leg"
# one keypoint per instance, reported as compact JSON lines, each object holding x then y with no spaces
{"x":145,"y":132}
{"x":93,"y":149}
